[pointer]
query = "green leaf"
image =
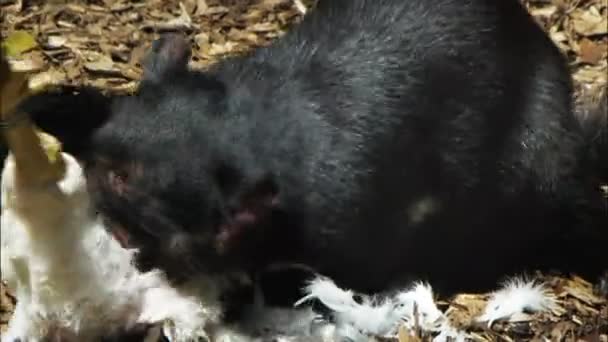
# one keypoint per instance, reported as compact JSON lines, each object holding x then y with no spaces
{"x":18,"y":42}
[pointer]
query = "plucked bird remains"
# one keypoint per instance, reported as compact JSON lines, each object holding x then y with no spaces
{"x":415,"y":308}
{"x":73,"y":281}
{"x":516,"y":298}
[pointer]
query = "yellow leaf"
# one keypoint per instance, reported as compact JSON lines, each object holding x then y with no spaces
{"x":18,"y":42}
{"x":51,"y":146}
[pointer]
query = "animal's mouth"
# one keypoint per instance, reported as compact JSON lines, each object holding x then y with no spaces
{"x":244,"y":229}
{"x":231,"y":232}
{"x":121,"y":235}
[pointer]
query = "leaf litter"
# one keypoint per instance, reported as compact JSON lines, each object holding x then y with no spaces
{"x":101,"y":43}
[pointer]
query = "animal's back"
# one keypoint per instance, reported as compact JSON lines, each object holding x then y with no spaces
{"x":384,"y":79}
{"x":420,"y":127}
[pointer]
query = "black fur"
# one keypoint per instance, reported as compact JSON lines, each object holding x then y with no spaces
{"x":138,"y":333}
{"x":322,"y":148}
{"x":592,"y":113}
{"x":73,"y":113}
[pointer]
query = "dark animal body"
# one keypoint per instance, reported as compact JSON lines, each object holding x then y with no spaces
{"x":378,"y":141}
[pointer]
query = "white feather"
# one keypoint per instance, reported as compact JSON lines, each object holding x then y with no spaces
{"x":71,"y":275}
{"x":260,"y":319}
{"x":349,"y":333}
{"x":352,"y":320}
{"x":419,"y":299}
{"x":329,"y":294}
{"x":448,"y":333}
{"x":515,"y":299}
{"x":375,"y":316}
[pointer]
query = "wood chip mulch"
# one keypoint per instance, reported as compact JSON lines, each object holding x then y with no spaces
{"x":101,"y":43}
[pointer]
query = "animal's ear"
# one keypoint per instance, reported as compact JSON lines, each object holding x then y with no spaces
{"x":170,"y":53}
{"x":71,"y":114}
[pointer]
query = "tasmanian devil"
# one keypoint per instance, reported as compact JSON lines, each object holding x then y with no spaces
{"x":377,"y":141}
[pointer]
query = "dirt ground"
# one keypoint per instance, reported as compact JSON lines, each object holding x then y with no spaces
{"x":101,"y":43}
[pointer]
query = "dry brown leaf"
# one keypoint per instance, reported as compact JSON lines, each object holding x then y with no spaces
{"x":545,"y":11}
{"x":73,"y":70}
{"x":583,"y":293}
{"x":558,"y":309}
{"x":138,"y":54}
{"x":217,"y":10}
{"x":12,"y":6}
{"x":221,"y":49}
{"x":201,"y":39}
{"x":32,"y":64}
{"x":587,"y":23}
{"x":406,"y":336}
{"x":592,"y":75}
{"x":263,"y":27}
{"x":113,"y":29}
{"x":201,"y":7}
{"x":100,"y":64}
{"x":47,"y":78}
{"x":7,"y":305}
{"x":590,"y":52}
{"x":562,"y":329}
{"x":182,"y":23}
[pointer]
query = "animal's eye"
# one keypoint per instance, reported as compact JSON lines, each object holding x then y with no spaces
{"x":118,"y":181}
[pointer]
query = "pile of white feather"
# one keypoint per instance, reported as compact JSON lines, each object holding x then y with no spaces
{"x":415,"y":309}
{"x":412,"y":310}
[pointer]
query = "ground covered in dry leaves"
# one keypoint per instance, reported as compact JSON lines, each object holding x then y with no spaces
{"x":101,"y":43}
